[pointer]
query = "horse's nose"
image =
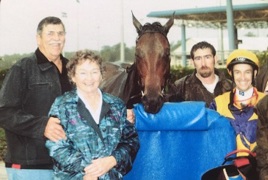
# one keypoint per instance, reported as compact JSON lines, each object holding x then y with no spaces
{"x":152,"y":104}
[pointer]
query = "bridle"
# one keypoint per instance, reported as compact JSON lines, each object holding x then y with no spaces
{"x":144,"y":31}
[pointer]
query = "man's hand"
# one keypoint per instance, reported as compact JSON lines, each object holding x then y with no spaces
{"x":54,"y":130}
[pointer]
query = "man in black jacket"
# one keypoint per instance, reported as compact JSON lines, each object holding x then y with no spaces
{"x":28,"y":91}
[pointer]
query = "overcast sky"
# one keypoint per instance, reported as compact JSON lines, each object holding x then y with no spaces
{"x":89,"y":24}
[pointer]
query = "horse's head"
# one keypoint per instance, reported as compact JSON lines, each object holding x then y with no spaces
{"x":152,"y":62}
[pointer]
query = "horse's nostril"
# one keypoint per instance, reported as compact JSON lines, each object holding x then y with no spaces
{"x":152,"y":109}
{"x":152,"y":104}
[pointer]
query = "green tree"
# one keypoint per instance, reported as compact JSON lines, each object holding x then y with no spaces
{"x":263,"y":57}
{"x":112,"y":53}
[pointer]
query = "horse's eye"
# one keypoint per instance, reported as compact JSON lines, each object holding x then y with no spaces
{"x":167,"y":52}
{"x":166,"y":55}
{"x":137,"y":56}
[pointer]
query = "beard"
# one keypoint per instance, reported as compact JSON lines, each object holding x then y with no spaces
{"x":205,"y":72}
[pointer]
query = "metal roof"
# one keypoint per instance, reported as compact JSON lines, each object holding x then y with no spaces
{"x":245,"y":16}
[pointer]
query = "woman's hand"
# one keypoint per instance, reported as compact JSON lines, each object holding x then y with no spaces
{"x":89,"y":177}
{"x":100,"y":166}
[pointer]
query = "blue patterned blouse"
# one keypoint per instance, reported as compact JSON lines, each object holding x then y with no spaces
{"x":87,"y":140}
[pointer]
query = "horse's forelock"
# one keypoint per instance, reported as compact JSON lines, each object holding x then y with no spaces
{"x":154,"y":27}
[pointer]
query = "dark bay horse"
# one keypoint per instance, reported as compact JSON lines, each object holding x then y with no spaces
{"x":262,"y":79}
{"x":145,"y":80}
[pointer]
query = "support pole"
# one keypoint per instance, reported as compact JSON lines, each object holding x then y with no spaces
{"x":122,"y":44}
{"x":183,"y":45}
{"x":230,"y":25}
{"x":222,"y":44}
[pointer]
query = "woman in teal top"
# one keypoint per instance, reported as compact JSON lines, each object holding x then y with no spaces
{"x":101,"y":143}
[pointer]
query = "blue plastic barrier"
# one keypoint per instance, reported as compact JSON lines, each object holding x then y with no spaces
{"x":181,"y":142}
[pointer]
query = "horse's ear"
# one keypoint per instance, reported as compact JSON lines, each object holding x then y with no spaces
{"x":136,"y":23}
{"x":169,"y":23}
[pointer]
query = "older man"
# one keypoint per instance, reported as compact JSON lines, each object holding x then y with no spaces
{"x":28,"y":91}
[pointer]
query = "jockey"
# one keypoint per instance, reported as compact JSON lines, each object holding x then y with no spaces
{"x":238,"y":104}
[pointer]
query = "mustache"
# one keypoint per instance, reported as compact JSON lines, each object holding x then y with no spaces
{"x":204,"y":67}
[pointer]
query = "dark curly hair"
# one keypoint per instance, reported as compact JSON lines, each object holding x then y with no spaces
{"x":202,"y":45}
